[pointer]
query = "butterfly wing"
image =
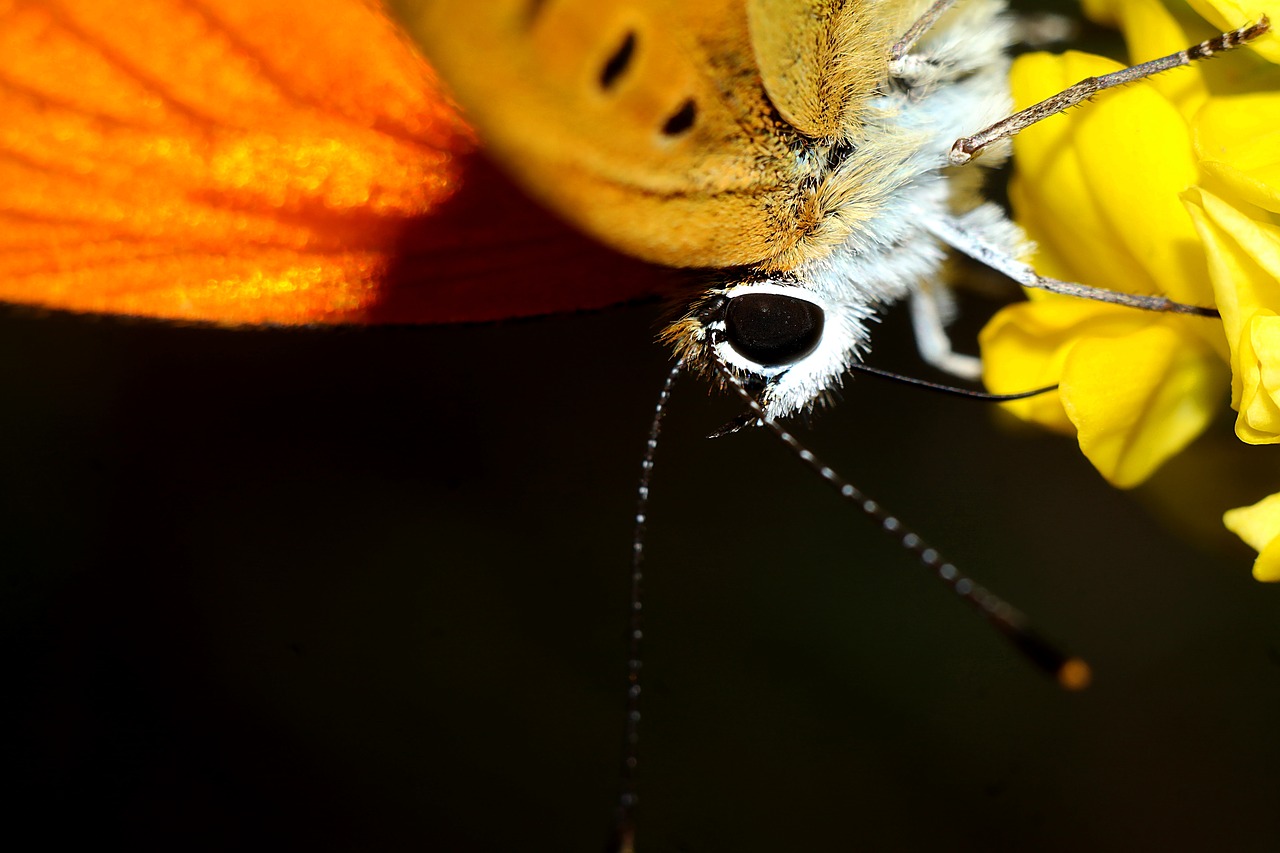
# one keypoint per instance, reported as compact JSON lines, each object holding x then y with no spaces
{"x":248,"y":162}
{"x":646,"y":123}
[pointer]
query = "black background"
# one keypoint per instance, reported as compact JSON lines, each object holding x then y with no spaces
{"x":365,"y":589}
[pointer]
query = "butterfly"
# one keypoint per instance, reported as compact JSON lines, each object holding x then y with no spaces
{"x":168,"y":159}
{"x":807,"y":151}
{"x":779,"y":142}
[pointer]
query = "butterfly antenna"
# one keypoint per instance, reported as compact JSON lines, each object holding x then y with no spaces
{"x":625,"y":825}
{"x":1070,"y":672}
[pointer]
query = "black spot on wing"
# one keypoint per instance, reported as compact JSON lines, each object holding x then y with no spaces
{"x":682,"y":119}
{"x":619,"y":62}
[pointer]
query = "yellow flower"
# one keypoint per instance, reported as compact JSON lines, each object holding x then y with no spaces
{"x":1099,"y":193}
{"x":1171,"y":186}
{"x":1244,"y":258}
{"x":1259,"y":527}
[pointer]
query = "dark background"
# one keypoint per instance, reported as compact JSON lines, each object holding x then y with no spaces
{"x":366,"y":590}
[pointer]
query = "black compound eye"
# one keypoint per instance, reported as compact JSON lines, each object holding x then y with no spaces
{"x":772,"y":329}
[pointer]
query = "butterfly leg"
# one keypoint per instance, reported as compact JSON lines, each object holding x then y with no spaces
{"x":921,"y":26}
{"x":921,"y":63}
{"x":964,"y":149}
{"x":932,"y":307}
{"x":968,"y":241}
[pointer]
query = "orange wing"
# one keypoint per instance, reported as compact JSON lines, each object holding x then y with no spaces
{"x":241,"y":161}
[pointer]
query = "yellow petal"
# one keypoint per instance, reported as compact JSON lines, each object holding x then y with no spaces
{"x":1259,"y":421}
{"x":1227,"y":15}
{"x":1244,"y":263}
{"x":1103,"y":11}
{"x":1098,"y":190}
{"x":1152,"y":30}
{"x":1140,"y":397}
{"x":1052,"y":196}
{"x":1259,"y":527}
{"x":1024,"y":346}
{"x":1136,"y":387}
{"x":1139,"y":156}
{"x":1238,"y":142}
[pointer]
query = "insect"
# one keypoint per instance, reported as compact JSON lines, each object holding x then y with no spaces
{"x":822,"y":158}
{"x":802,"y":151}
{"x":813,"y":154}
{"x":805,"y":149}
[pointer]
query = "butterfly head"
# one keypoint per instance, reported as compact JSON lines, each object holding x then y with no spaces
{"x":788,"y":342}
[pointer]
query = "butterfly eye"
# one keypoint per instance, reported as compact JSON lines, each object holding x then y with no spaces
{"x":772,"y":329}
